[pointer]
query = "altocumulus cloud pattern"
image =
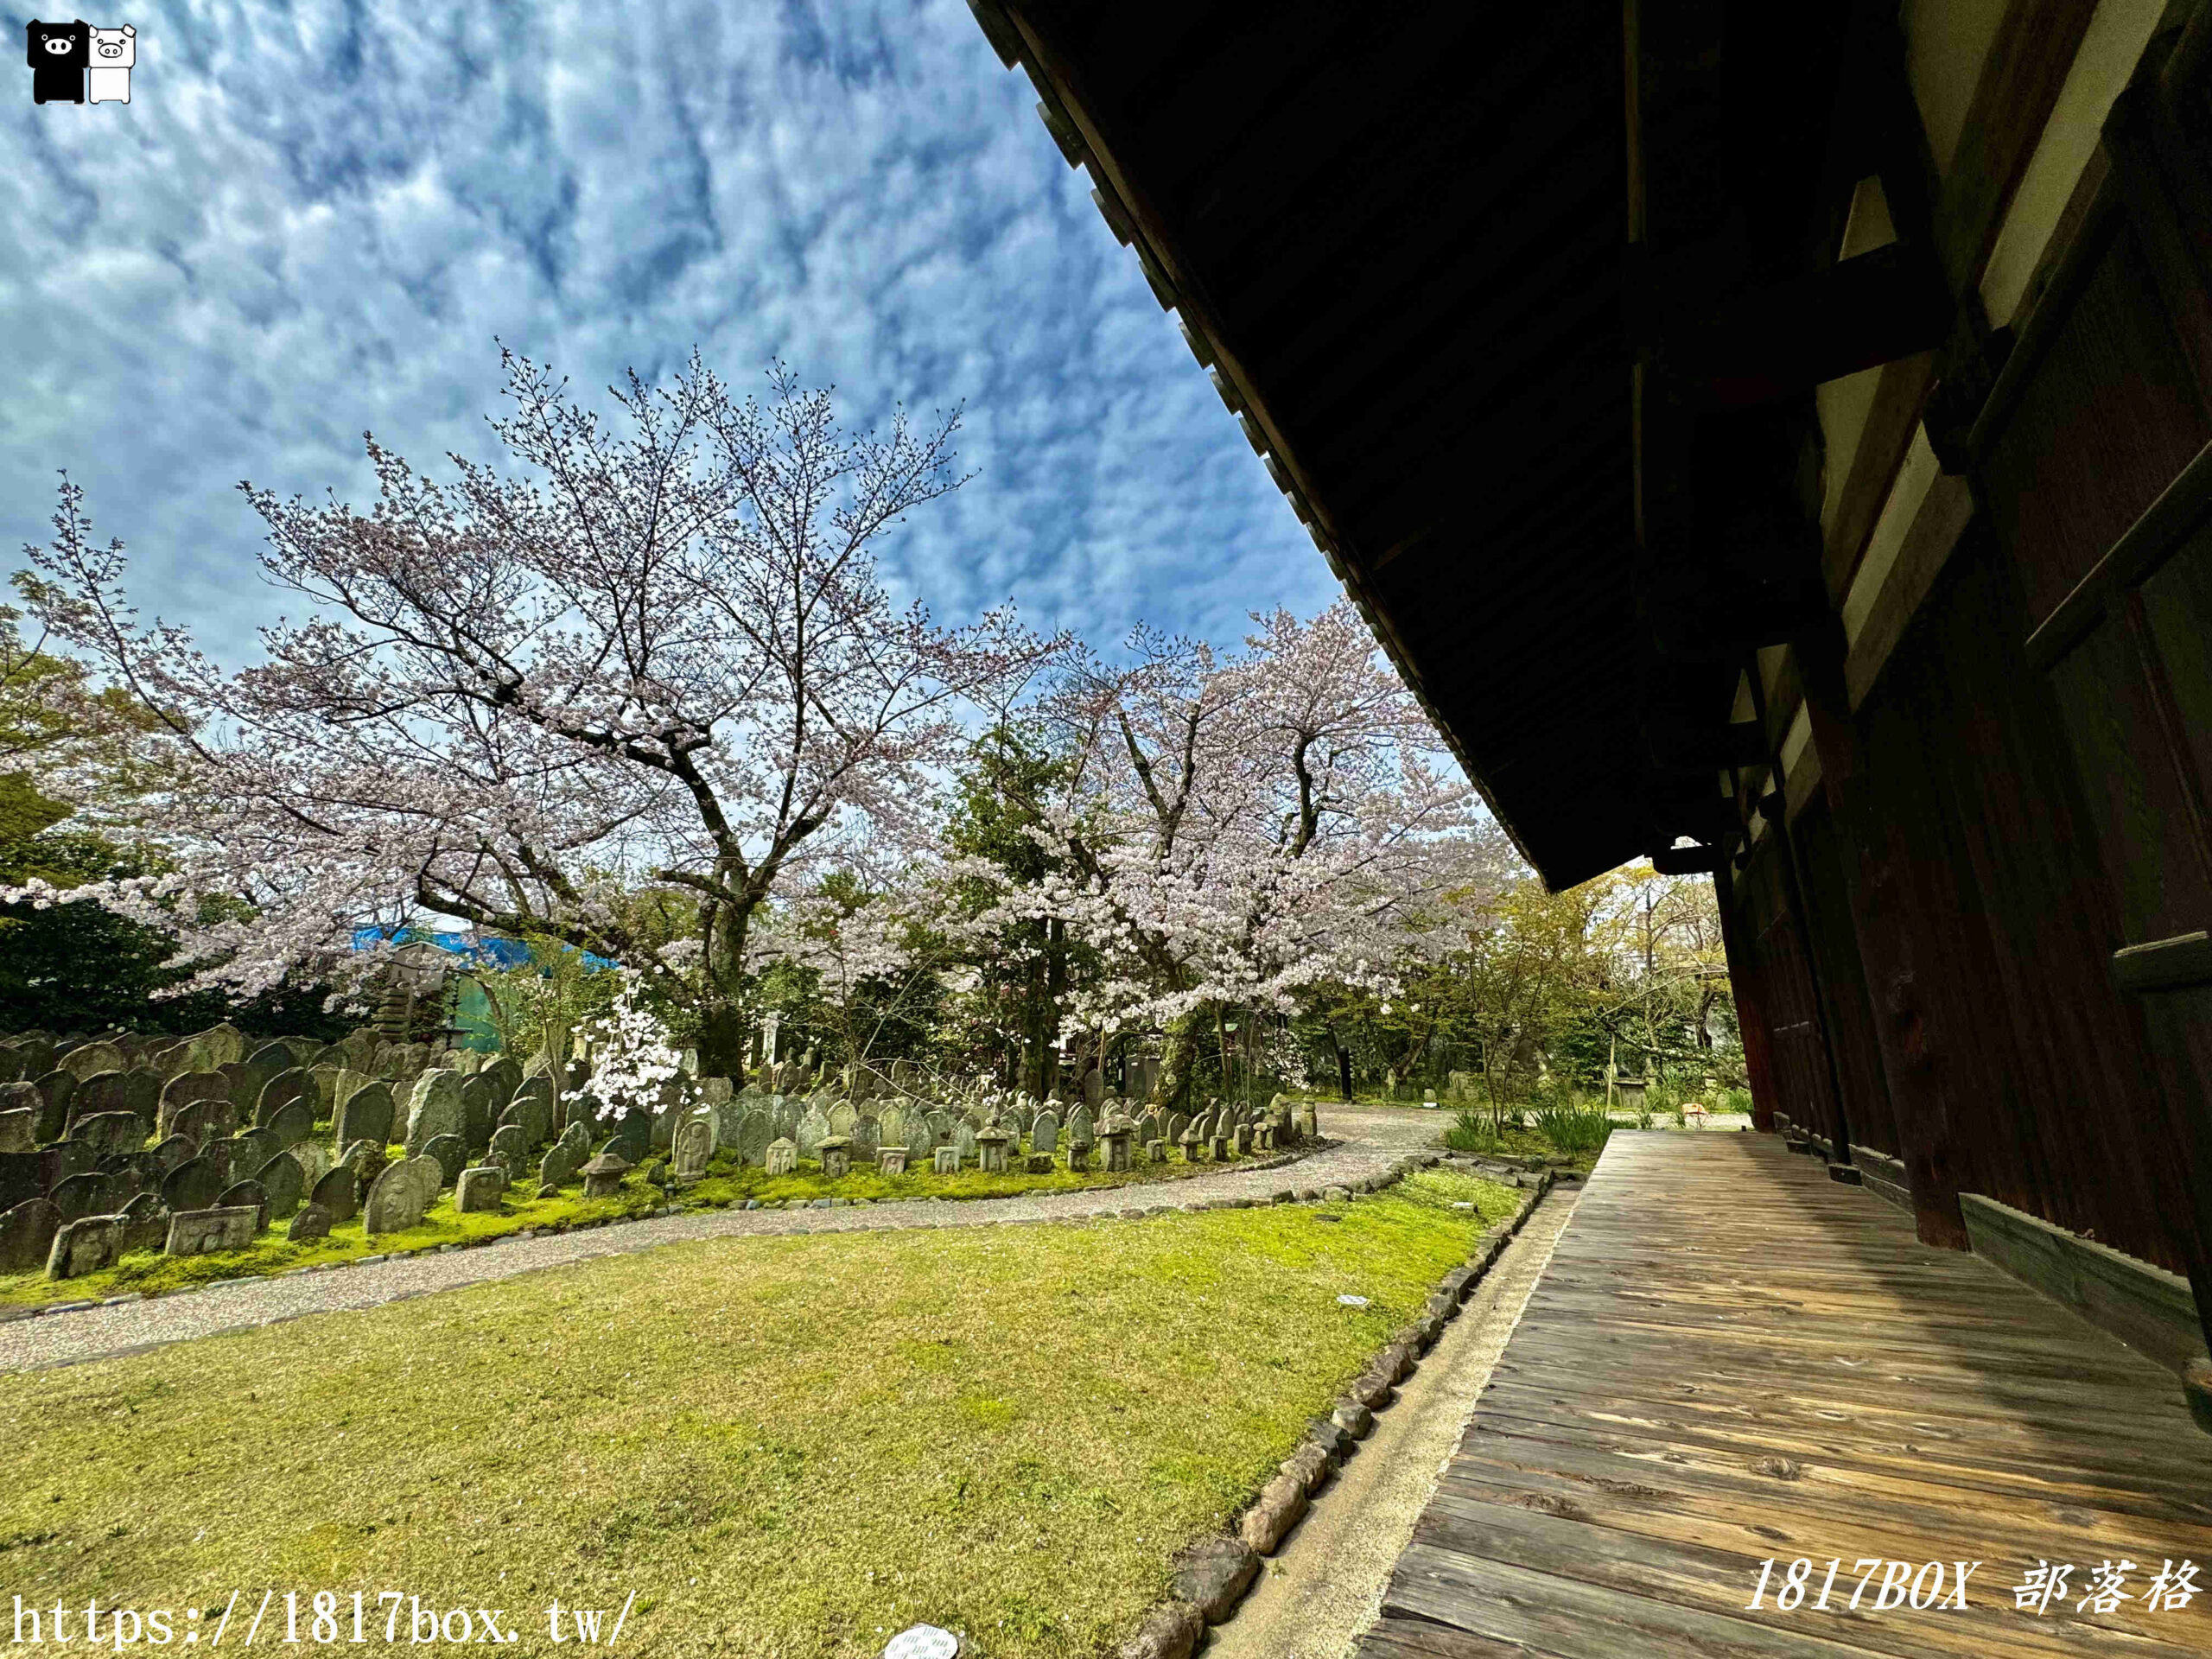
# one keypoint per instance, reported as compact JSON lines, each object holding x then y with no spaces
{"x":314,"y":219}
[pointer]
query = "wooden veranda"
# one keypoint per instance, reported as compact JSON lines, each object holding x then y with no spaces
{"x":1730,"y":1358}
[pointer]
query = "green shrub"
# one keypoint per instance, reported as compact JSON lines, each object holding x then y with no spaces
{"x":1471,"y":1131}
{"x":1571,"y":1129}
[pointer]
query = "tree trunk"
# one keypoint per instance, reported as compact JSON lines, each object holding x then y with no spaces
{"x":1055,"y":985}
{"x":1036,"y":1037}
{"x":1176,"y":1053}
{"x":723,"y":1027}
{"x":723,"y":1031}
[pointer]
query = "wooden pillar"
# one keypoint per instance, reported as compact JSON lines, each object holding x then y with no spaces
{"x":1746,"y":978}
{"x":1793,"y":890}
{"x":1886,"y":910}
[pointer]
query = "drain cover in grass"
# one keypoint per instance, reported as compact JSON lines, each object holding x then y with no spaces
{"x":1353,"y":1301}
{"x":923,"y":1642}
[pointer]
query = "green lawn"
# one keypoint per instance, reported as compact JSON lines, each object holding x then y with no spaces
{"x":150,"y":1271}
{"x":785,"y":1447}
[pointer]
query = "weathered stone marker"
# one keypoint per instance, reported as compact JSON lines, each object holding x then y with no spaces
{"x":1115,"y":1139}
{"x":246,"y":1195}
{"x":510,"y":1147}
{"x":27,"y":1235}
{"x":365,"y":1115}
{"x":19,"y":1128}
{"x":478,"y":1189}
{"x":563,"y":1157}
{"x":530,"y":1110}
{"x":991,"y":1149}
{"x":434,"y":1109}
{"x":813,"y":1130}
{"x":398,"y":1197}
{"x":290,"y":1084}
{"x":88,"y":1244}
{"x":338,"y":1195}
{"x":203,"y":1232}
{"x":694,"y":1144}
{"x":782,"y":1157}
{"x":193,"y":1184}
{"x":450,"y":1153}
{"x":284,"y":1181}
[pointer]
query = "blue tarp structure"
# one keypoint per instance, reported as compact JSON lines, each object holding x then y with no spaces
{"x":487,"y":952}
{"x":472,"y":1011}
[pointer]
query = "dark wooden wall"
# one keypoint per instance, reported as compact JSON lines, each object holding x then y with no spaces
{"x":1788,"y":1011}
{"x":1843,"y":979}
{"x":2008,"y":882}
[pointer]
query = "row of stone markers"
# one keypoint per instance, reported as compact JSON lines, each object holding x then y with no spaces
{"x":199,"y":1144}
{"x":985,"y":1131}
{"x":195,"y":1145}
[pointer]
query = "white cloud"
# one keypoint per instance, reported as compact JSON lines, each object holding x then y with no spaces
{"x":312,"y":221}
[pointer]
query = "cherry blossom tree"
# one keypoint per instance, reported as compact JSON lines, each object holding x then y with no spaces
{"x":656,"y":650}
{"x":873,"y":940}
{"x":1236,"y":829}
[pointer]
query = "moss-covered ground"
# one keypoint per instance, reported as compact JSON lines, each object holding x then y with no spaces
{"x":150,"y":1272}
{"x":789,"y":1446}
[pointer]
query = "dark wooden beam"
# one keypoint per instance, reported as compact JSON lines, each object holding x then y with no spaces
{"x":1687,"y":861}
{"x":1707,"y":817}
{"x":1708,"y":748}
{"x":1728,"y":619}
{"x":1858,"y":314}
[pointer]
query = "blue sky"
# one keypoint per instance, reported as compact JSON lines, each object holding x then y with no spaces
{"x":314,"y":219}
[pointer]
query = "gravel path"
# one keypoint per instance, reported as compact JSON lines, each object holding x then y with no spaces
{"x":1370,"y":1141}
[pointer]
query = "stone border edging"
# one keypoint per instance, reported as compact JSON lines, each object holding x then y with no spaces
{"x":46,"y":1309}
{"x":1214,"y":1574}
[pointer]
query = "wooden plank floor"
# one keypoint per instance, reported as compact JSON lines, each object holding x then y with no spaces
{"x":1731,"y":1357}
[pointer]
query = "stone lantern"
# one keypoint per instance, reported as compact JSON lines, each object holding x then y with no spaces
{"x":1116,"y":1136}
{"x":836,"y":1152}
{"x":990,"y":1149}
{"x":603,"y":1175}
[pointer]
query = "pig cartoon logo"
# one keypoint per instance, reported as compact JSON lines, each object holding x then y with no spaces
{"x":59,"y":56}
{"x":114,"y":52}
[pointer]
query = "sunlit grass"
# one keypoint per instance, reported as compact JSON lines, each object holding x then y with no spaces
{"x":784,"y":1446}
